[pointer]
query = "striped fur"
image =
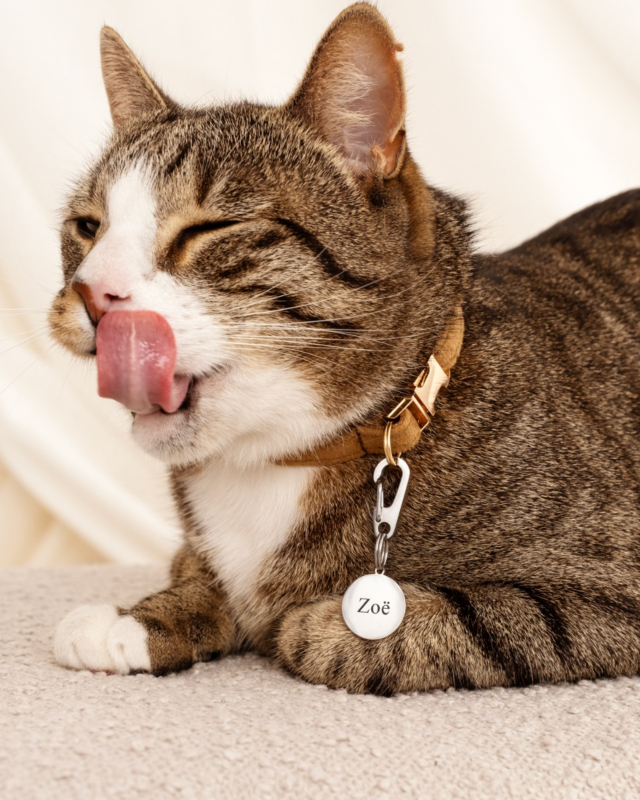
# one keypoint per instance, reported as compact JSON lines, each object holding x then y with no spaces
{"x":331,"y":268}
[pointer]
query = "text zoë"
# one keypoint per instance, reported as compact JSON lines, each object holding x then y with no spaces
{"x":374,"y":608}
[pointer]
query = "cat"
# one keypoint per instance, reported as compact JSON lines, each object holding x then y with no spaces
{"x":295,"y":272}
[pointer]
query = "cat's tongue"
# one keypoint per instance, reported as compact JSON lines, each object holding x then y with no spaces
{"x":136,"y":353}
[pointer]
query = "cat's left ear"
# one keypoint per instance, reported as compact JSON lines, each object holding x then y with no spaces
{"x":353,"y":94}
{"x":130,"y":89}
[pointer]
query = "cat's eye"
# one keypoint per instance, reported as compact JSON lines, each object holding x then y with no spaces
{"x":187,"y":234}
{"x":87,"y":227}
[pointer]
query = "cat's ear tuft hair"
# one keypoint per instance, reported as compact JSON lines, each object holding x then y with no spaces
{"x":130,"y":90}
{"x":353,"y":93}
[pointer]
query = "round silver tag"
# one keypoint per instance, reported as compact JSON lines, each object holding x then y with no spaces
{"x":373,"y":606}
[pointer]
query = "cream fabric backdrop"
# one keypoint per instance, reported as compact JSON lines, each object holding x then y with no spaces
{"x":529,"y":108}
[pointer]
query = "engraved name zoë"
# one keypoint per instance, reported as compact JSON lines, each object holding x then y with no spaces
{"x":374,"y":608}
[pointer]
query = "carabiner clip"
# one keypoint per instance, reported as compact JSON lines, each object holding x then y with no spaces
{"x":388,"y":515}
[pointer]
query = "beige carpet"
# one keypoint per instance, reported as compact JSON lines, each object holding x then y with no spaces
{"x":241,"y":728}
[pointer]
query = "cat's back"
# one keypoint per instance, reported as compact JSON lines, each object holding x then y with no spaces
{"x":554,"y":327}
{"x":593,"y":254}
{"x":546,"y":393}
{"x":567,"y":300}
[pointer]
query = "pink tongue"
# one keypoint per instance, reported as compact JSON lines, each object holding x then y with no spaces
{"x":136,"y":362}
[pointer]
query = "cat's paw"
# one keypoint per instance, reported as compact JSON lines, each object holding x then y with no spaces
{"x":99,"y":639}
{"x":314,"y":643}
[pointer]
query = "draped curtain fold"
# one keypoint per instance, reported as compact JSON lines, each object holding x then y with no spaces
{"x":528,"y":108}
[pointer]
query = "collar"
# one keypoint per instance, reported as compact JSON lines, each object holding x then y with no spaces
{"x":402,"y":427}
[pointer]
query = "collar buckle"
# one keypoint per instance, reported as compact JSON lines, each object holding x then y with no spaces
{"x":421,"y":403}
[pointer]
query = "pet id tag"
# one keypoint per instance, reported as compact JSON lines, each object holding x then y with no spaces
{"x":374,"y":605}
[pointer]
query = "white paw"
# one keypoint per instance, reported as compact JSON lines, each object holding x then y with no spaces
{"x":99,"y":639}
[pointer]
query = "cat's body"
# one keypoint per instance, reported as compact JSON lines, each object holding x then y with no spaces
{"x":518,"y":548}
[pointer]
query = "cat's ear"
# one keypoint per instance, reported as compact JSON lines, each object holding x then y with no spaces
{"x":130,"y":90}
{"x":353,"y":92}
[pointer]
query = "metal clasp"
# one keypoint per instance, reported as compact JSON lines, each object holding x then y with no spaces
{"x":388,"y":515}
{"x":422,"y":400}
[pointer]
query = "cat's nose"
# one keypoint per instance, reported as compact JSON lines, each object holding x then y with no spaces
{"x":97,"y":297}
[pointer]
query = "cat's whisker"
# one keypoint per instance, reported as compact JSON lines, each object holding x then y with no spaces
{"x":24,"y":309}
{"x":65,"y":378}
{"x":410,"y":287}
{"x":255,"y":300}
{"x":359,"y":333}
{"x":325,"y":340}
{"x":309,"y":303}
{"x":311,"y":325}
{"x":23,"y":269}
{"x":9,"y":312}
{"x":23,"y":283}
{"x":304,"y":345}
{"x":307,"y":335}
{"x":248,"y":347}
{"x":316,"y":344}
{"x":40,"y":329}
{"x":27,"y":368}
{"x":333,"y":277}
{"x":25,"y":341}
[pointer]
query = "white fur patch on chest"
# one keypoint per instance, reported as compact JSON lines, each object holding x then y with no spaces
{"x":245,"y":516}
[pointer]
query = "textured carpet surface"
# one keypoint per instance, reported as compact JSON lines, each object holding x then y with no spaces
{"x":240,"y":727}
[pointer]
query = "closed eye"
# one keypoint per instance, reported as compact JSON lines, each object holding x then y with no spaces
{"x":187,"y":234}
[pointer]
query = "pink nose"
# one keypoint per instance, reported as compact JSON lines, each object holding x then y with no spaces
{"x":97,"y":298}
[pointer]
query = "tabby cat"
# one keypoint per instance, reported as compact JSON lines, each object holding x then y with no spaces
{"x":260,"y":285}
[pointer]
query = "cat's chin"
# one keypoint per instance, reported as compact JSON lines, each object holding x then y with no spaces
{"x":176,"y":438}
{"x":158,"y":421}
{"x":161,"y":435}
{"x":245,"y":416}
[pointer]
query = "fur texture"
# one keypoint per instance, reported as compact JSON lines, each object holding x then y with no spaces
{"x":308,"y":270}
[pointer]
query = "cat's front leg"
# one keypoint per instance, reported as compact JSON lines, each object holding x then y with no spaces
{"x":468,"y":638}
{"x":165,"y":632}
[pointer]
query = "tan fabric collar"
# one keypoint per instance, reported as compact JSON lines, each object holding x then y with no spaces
{"x":409,"y":418}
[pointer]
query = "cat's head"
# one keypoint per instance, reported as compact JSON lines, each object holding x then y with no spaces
{"x":288,"y":248}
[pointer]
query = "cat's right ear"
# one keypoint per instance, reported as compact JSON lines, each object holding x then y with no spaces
{"x":130,"y":90}
{"x":353,"y":94}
